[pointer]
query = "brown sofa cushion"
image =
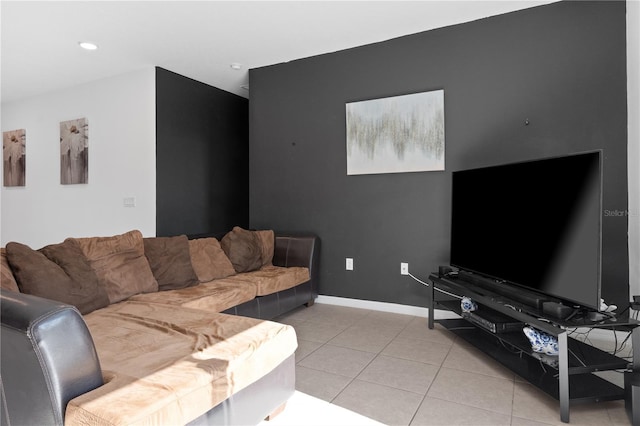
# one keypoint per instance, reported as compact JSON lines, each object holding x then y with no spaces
{"x":208,"y":260}
{"x":7,"y":280}
{"x":267,"y":245}
{"x":170,"y":262}
{"x":167,"y":365}
{"x":215,"y":296}
{"x":59,"y":272}
{"x":271,"y":279}
{"x":243,"y":248}
{"x":120,"y":264}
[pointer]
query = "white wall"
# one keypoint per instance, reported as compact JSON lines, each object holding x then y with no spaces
{"x":633,"y":99}
{"x":121,"y":116}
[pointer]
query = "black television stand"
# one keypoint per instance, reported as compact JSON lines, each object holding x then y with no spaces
{"x":571,"y":370}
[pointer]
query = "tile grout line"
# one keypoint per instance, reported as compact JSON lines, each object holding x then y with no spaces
{"x":513,"y":398}
{"x":432,"y":382}
{"x":365,"y":367}
{"x":376,"y":357}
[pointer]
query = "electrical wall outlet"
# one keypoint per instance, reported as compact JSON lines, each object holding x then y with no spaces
{"x":404,"y":268}
{"x":349,"y":264}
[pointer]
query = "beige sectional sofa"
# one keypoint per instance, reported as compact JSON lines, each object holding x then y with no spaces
{"x":154,"y":309}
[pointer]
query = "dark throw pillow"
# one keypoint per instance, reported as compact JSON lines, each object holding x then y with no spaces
{"x":120,"y":264}
{"x":58,"y":272}
{"x":267,"y":240}
{"x":170,"y":262}
{"x":243,"y":248}
{"x":208,"y":259}
{"x":7,"y":280}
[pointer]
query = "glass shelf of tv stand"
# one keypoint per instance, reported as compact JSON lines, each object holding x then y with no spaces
{"x":571,"y":382}
{"x":582,"y":358}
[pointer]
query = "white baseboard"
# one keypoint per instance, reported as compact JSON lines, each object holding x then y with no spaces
{"x":416,"y":311}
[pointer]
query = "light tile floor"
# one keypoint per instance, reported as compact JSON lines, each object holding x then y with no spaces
{"x":393,"y":369}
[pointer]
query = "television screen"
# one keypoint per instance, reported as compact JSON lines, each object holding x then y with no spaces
{"x":534,"y":224}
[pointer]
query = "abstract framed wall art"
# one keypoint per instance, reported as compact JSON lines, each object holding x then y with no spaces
{"x":398,"y":134}
{"x":14,"y":157}
{"x":74,"y":151}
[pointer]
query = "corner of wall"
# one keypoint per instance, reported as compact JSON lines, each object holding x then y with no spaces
{"x":633,"y":158}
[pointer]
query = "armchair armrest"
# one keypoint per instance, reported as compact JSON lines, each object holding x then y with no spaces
{"x":48,"y":358}
{"x":299,"y":250}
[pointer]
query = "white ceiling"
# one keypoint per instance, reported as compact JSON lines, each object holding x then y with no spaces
{"x":200,"y":39}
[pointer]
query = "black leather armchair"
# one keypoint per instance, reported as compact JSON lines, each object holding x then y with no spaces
{"x":48,"y":358}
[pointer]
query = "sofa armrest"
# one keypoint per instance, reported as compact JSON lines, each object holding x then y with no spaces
{"x":48,"y":358}
{"x":299,"y":250}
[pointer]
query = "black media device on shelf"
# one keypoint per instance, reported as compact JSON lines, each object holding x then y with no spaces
{"x":533,"y":227}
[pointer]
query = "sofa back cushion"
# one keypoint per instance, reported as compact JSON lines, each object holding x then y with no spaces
{"x":170,"y":262}
{"x":58,"y":272}
{"x":267,"y":240}
{"x":208,"y":260}
{"x":243,"y":248}
{"x":7,"y":280}
{"x":120,"y":264}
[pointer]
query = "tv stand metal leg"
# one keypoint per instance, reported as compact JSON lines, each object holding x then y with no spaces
{"x":430,"y":304}
{"x":632,"y":381}
{"x":563,"y":376}
{"x":635,"y":340}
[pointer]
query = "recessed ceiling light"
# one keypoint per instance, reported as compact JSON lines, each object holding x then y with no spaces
{"x":236,"y":66}
{"x":88,"y":45}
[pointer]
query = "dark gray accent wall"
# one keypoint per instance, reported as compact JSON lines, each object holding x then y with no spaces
{"x":202,"y":150}
{"x":561,"y":66}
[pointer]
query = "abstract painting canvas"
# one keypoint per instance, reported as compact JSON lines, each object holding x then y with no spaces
{"x":14,"y":157}
{"x":74,"y":151}
{"x":396,"y":135}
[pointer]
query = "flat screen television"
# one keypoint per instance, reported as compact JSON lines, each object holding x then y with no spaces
{"x":535,"y":225}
